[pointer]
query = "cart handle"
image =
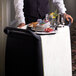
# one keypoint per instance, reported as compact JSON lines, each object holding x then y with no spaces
{"x":28,"y":32}
{"x":69,"y":24}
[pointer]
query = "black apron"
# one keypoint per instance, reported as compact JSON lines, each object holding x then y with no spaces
{"x":35,"y":9}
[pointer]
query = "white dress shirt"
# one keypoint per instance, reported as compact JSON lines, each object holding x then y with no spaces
{"x":19,"y":5}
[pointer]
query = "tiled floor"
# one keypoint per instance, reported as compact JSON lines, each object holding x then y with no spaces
{"x":73,"y":44}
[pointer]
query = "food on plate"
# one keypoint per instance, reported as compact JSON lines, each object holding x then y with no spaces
{"x":49,"y":30}
{"x":33,"y":24}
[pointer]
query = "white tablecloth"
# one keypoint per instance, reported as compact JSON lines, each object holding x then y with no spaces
{"x":56,"y":50}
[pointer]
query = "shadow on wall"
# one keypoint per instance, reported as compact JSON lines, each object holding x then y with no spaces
{"x":70,"y":5}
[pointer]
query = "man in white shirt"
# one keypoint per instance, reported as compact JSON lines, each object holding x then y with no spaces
{"x":28,"y":11}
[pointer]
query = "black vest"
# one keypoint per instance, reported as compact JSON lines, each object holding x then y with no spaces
{"x":36,"y":8}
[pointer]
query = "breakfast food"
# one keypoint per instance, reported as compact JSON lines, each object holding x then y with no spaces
{"x":40,"y":25}
{"x":33,"y":24}
{"x":49,"y":30}
{"x":46,"y":25}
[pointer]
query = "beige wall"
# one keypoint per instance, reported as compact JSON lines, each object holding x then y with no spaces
{"x":1,"y":46}
{"x":4,"y":21}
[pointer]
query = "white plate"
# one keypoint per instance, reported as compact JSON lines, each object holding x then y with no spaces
{"x":46,"y":33}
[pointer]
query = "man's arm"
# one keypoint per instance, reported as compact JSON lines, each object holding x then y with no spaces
{"x":19,"y":14}
{"x":61,"y":7}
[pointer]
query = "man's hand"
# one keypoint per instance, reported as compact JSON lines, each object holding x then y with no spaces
{"x":66,"y":16}
{"x":21,"y":25}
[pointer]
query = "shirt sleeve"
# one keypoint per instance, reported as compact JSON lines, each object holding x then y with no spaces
{"x":60,"y":5}
{"x":19,"y":14}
